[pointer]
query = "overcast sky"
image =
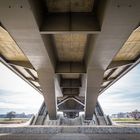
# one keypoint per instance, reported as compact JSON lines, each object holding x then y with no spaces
{"x":124,"y":95}
{"x":17,"y":95}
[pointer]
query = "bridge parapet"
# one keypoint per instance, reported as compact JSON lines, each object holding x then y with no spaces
{"x":73,"y":132}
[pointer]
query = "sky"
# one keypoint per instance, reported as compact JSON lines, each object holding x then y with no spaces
{"x":16,"y":95}
{"x":124,"y":95}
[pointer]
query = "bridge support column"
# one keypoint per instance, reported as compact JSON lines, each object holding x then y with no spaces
{"x":23,"y":26}
{"x":94,"y":79}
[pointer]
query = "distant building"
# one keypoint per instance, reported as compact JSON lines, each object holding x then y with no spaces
{"x":122,"y":115}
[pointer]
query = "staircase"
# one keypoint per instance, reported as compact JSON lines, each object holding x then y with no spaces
{"x":42,"y":118}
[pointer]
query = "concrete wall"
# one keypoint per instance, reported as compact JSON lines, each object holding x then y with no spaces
{"x":70,"y":133}
{"x":71,"y":137}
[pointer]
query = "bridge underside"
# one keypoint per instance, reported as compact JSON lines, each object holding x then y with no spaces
{"x":70,"y":51}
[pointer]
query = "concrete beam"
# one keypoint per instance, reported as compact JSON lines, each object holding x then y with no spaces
{"x":70,"y":91}
{"x":74,"y":22}
{"x":63,"y":101}
{"x":70,"y":98}
{"x":21,"y":19}
{"x":122,"y":74}
{"x":34,"y":80}
{"x":58,"y":90}
{"x":71,"y":110}
{"x":19,"y":74}
{"x":116,"y":64}
{"x":110,"y":73}
{"x":70,"y":83}
{"x":84,"y":85}
{"x":24,"y":64}
{"x":78,"y":101}
{"x":108,"y":80}
{"x":70,"y":67}
{"x":117,"y":23}
{"x":31,"y":74}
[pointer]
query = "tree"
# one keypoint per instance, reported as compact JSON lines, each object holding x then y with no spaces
{"x":11,"y":115}
{"x":136,"y":114}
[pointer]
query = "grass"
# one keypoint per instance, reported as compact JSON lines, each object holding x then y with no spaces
{"x":13,"y":120}
{"x":125,"y":120}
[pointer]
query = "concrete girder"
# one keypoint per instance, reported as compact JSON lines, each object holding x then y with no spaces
{"x":58,"y":91}
{"x":70,"y":67}
{"x":70,"y":91}
{"x":70,"y":98}
{"x":116,"y":64}
{"x":110,"y":73}
{"x":73,"y":22}
{"x":117,"y":18}
{"x":108,"y":80}
{"x":71,"y":110}
{"x":34,"y":80}
{"x":70,"y":83}
{"x":19,"y":20}
{"x":19,"y":74}
{"x":23,"y":64}
{"x":84,"y":85}
{"x":117,"y":23}
{"x":122,"y":74}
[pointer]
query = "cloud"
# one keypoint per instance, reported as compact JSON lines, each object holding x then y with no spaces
{"x":16,"y":94}
{"x":11,"y":82}
{"x":124,"y":95}
{"x":22,"y":102}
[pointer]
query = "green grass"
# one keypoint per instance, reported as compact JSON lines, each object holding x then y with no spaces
{"x":125,"y":120}
{"x":13,"y":120}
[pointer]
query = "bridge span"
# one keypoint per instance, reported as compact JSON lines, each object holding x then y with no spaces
{"x":70,"y":51}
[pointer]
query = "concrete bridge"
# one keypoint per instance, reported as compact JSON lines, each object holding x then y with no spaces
{"x":70,"y":51}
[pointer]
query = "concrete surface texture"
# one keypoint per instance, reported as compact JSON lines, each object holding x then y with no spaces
{"x":66,"y":50}
{"x":70,"y":137}
{"x":42,"y":118}
{"x":73,"y":42}
{"x":69,"y":133}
